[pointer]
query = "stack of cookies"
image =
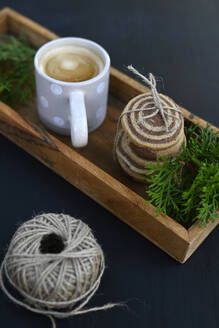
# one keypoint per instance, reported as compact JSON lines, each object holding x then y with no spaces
{"x":146,"y":133}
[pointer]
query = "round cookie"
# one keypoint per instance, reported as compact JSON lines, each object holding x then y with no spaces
{"x":135,"y":176}
{"x":132,"y":162}
{"x":151,"y":132}
{"x":133,"y":166}
{"x":140,"y":155}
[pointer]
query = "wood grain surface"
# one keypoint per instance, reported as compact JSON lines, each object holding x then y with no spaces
{"x":92,"y":169}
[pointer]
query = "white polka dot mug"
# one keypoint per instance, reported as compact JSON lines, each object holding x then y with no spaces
{"x":72,"y":108}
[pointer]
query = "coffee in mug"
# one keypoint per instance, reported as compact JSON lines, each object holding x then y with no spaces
{"x":71,"y":63}
{"x":72,"y":78}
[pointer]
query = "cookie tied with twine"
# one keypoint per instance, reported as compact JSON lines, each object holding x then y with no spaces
{"x":150,"y":126}
{"x":152,"y":120}
{"x":146,"y":127}
{"x":55,"y":266}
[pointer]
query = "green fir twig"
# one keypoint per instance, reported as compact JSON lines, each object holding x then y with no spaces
{"x":16,"y":70}
{"x":187,"y":188}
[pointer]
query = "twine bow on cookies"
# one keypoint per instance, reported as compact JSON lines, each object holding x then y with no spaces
{"x":156,"y":105}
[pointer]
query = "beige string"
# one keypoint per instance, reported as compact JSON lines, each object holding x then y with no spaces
{"x":157,"y":105}
{"x":56,"y":285}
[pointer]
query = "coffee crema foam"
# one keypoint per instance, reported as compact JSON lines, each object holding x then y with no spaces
{"x":70,"y":63}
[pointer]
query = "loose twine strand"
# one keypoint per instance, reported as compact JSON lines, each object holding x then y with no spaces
{"x":157,"y":105}
{"x":23,"y":263}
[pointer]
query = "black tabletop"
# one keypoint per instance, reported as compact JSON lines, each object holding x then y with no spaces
{"x":178,"y":41}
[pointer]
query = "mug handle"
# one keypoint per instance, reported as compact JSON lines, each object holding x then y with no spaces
{"x":78,"y":119}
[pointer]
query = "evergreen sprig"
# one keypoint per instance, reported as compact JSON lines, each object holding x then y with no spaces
{"x":16,"y":70}
{"x":187,"y":188}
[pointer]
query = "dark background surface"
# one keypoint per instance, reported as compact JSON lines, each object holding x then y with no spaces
{"x":178,"y":41}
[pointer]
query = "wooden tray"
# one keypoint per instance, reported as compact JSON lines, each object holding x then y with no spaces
{"x":92,"y":169}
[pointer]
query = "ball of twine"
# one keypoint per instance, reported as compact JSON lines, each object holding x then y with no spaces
{"x":55,"y":264}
